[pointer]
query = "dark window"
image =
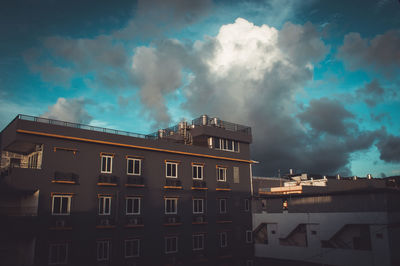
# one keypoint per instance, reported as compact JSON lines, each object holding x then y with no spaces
{"x":58,"y":253}
{"x":132,"y":248}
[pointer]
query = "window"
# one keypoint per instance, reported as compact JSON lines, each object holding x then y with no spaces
{"x":223,"y":239}
{"x":103,"y":249}
{"x":249,"y":236}
{"x":58,"y":253}
{"x":33,"y":160}
{"x":198,"y":206}
{"x":104,"y":205}
{"x":226,"y":144}
{"x":221,"y":174}
{"x":133,"y":205}
{"x":246,"y":205}
{"x":198,"y":242}
{"x":222,"y":205}
{"x":133,"y":166}
{"x":284,"y":205}
{"x":171,"y":170}
{"x":171,"y":205}
{"x":197,"y":171}
{"x":171,"y":244}
{"x":61,"y":205}
{"x":106,"y":163}
{"x":263,"y":204}
{"x":132,"y":248}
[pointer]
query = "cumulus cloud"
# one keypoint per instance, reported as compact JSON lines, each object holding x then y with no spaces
{"x":70,"y":110}
{"x":380,"y":53}
{"x":157,"y":74}
{"x":373,"y":93}
{"x":389,"y":148}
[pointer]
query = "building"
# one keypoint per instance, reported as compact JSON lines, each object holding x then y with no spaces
{"x":73,"y":194}
{"x":326,"y":220}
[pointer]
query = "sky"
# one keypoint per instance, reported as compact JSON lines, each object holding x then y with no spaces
{"x":318,"y":81}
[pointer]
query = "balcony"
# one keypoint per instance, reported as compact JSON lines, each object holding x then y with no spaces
{"x":134,"y":181}
{"x":133,"y":221}
{"x":107,"y":180}
{"x":223,"y":186}
{"x":21,"y":178}
{"x":173,"y":183}
{"x":224,"y":219}
{"x":199,"y":219}
{"x":105,"y":222}
{"x":199,"y":185}
{"x":60,"y":223}
{"x":65,"y":178}
{"x":172,"y":220}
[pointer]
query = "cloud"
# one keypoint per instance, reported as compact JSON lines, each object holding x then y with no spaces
{"x":327,"y":116}
{"x":373,"y":93}
{"x":389,"y":148}
{"x":157,"y":74}
{"x":380,"y":53}
{"x":70,"y":110}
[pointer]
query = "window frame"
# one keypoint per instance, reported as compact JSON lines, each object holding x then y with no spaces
{"x":106,"y":164}
{"x":133,"y":166}
{"x":176,"y":169}
{"x":133,"y":255}
{"x":103,"y":199}
{"x":103,"y":242}
{"x":195,"y":242}
{"x":225,"y":210}
{"x":51,"y":245}
{"x":194,"y":200}
{"x":195,"y":171}
{"x":168,"y":238}
{"x":249,"y":236}
{"x":133,"y":205}
{"x":69,"y":197}
{"x":175,"y":200}
{"x":223,"y":175}
{"x":223,"y":236}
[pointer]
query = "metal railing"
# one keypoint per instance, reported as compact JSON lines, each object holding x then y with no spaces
{"x":215,"y":122}
{"x":82,"y":126}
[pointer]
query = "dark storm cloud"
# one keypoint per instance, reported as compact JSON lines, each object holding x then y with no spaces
{"x":380,"y":53}
{"x":389,"y":148}
{"x":327,"y":116}
{"x":373,"y":93}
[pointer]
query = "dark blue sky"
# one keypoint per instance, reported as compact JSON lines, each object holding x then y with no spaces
{"x":318,"y":81}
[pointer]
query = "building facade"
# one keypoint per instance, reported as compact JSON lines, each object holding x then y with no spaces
{"x":326,"y":221}
{"x":74,"y":194}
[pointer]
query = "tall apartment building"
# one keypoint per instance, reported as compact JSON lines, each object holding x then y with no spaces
{"x":73,"y":194}
{"x":315,"y":220}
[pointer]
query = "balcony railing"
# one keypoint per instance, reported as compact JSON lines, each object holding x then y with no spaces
{"x":134,"y":221}
{"x":223,"y":186}
{"x":199,"y":184}
{"x":62,"y":177}
{"x":224,"y":218}
{"x":105,"y":222}
{"x":215,"y":122}
{"x":60,"y":223}
{"x":171,"y":220}
{"x":173,"y":183}
{"x":107,"y":180}
{"x":135,"y":181}
{"x":199,"y":219}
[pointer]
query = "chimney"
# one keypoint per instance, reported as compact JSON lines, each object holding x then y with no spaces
{"x":369,"y":176}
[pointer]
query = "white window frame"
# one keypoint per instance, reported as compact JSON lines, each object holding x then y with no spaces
{"x":69,"y":197}
{"x":133,"y":254}
{"x":169,"y":238}
{"x":111,"y":164}
{"x":175,"y":202}
{"x":176,"y":169}
{"x":196,"y":203}
{"x":102,"y":244}
{"x":104,"y":200}
{"x":223,"y":178}
{"x":58,"y":245}
{"x":198,"y":242}
{"x":223,"y":239}
{"x":246,"y":205}
{"x":249,"y":236}
{"x":134,"y":160}
{"x":195,"y":171}
{"x":139,"y":199}
{"x":220,"y":206}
